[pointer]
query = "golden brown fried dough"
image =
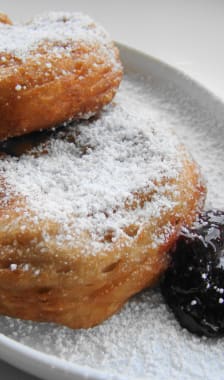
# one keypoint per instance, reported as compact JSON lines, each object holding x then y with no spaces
{"x":5,"y":19}
{"x":81,"y":234}
{"x":60,"y":66}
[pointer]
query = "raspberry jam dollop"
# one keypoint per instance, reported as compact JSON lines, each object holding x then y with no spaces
{"x":193,"y":286}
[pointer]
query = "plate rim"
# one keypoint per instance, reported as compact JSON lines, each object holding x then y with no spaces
{"x":43,"y":364}
{"x":177,"y":72}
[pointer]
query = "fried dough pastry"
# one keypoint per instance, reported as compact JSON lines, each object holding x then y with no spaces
{"x":5,"y":19}
{"x":57,"y":67}
{"x":88,"y":214}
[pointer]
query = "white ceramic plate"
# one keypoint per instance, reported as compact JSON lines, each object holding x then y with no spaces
{"x":161,"y":348}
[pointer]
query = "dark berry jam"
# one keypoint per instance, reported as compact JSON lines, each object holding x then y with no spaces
{"x":193,"y":286}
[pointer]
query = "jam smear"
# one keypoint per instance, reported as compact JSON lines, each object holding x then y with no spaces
{"x":193,"y":286}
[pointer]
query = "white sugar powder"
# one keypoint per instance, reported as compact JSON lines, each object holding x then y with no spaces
{"x":144,"y":341}
{"x":83,"y":182}
{"x":62,"y":29}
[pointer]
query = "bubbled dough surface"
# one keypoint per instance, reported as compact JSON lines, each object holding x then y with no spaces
{"x":144,"y":341}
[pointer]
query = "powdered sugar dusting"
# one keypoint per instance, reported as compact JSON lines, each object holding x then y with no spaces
{"x":90,"y":172}
{"x":144,"y":341}
{"x":62,"y":29}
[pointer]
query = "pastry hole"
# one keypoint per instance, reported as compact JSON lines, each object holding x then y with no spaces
{"x":78,"y":65}
{"x":65,"y":269}
{"x":108,"y":236}
{"x":5,"y":266}
{"x":44,"y":290}
{"x":131,"y":230}
{"x":111,"y":267}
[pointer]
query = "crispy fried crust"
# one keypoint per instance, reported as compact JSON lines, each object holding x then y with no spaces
{"x":47,"y":89}
{"x":5,"y":19}
{"x":79,"y":290}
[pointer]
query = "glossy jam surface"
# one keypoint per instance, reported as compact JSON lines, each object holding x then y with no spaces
{"x":193,"y":286}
